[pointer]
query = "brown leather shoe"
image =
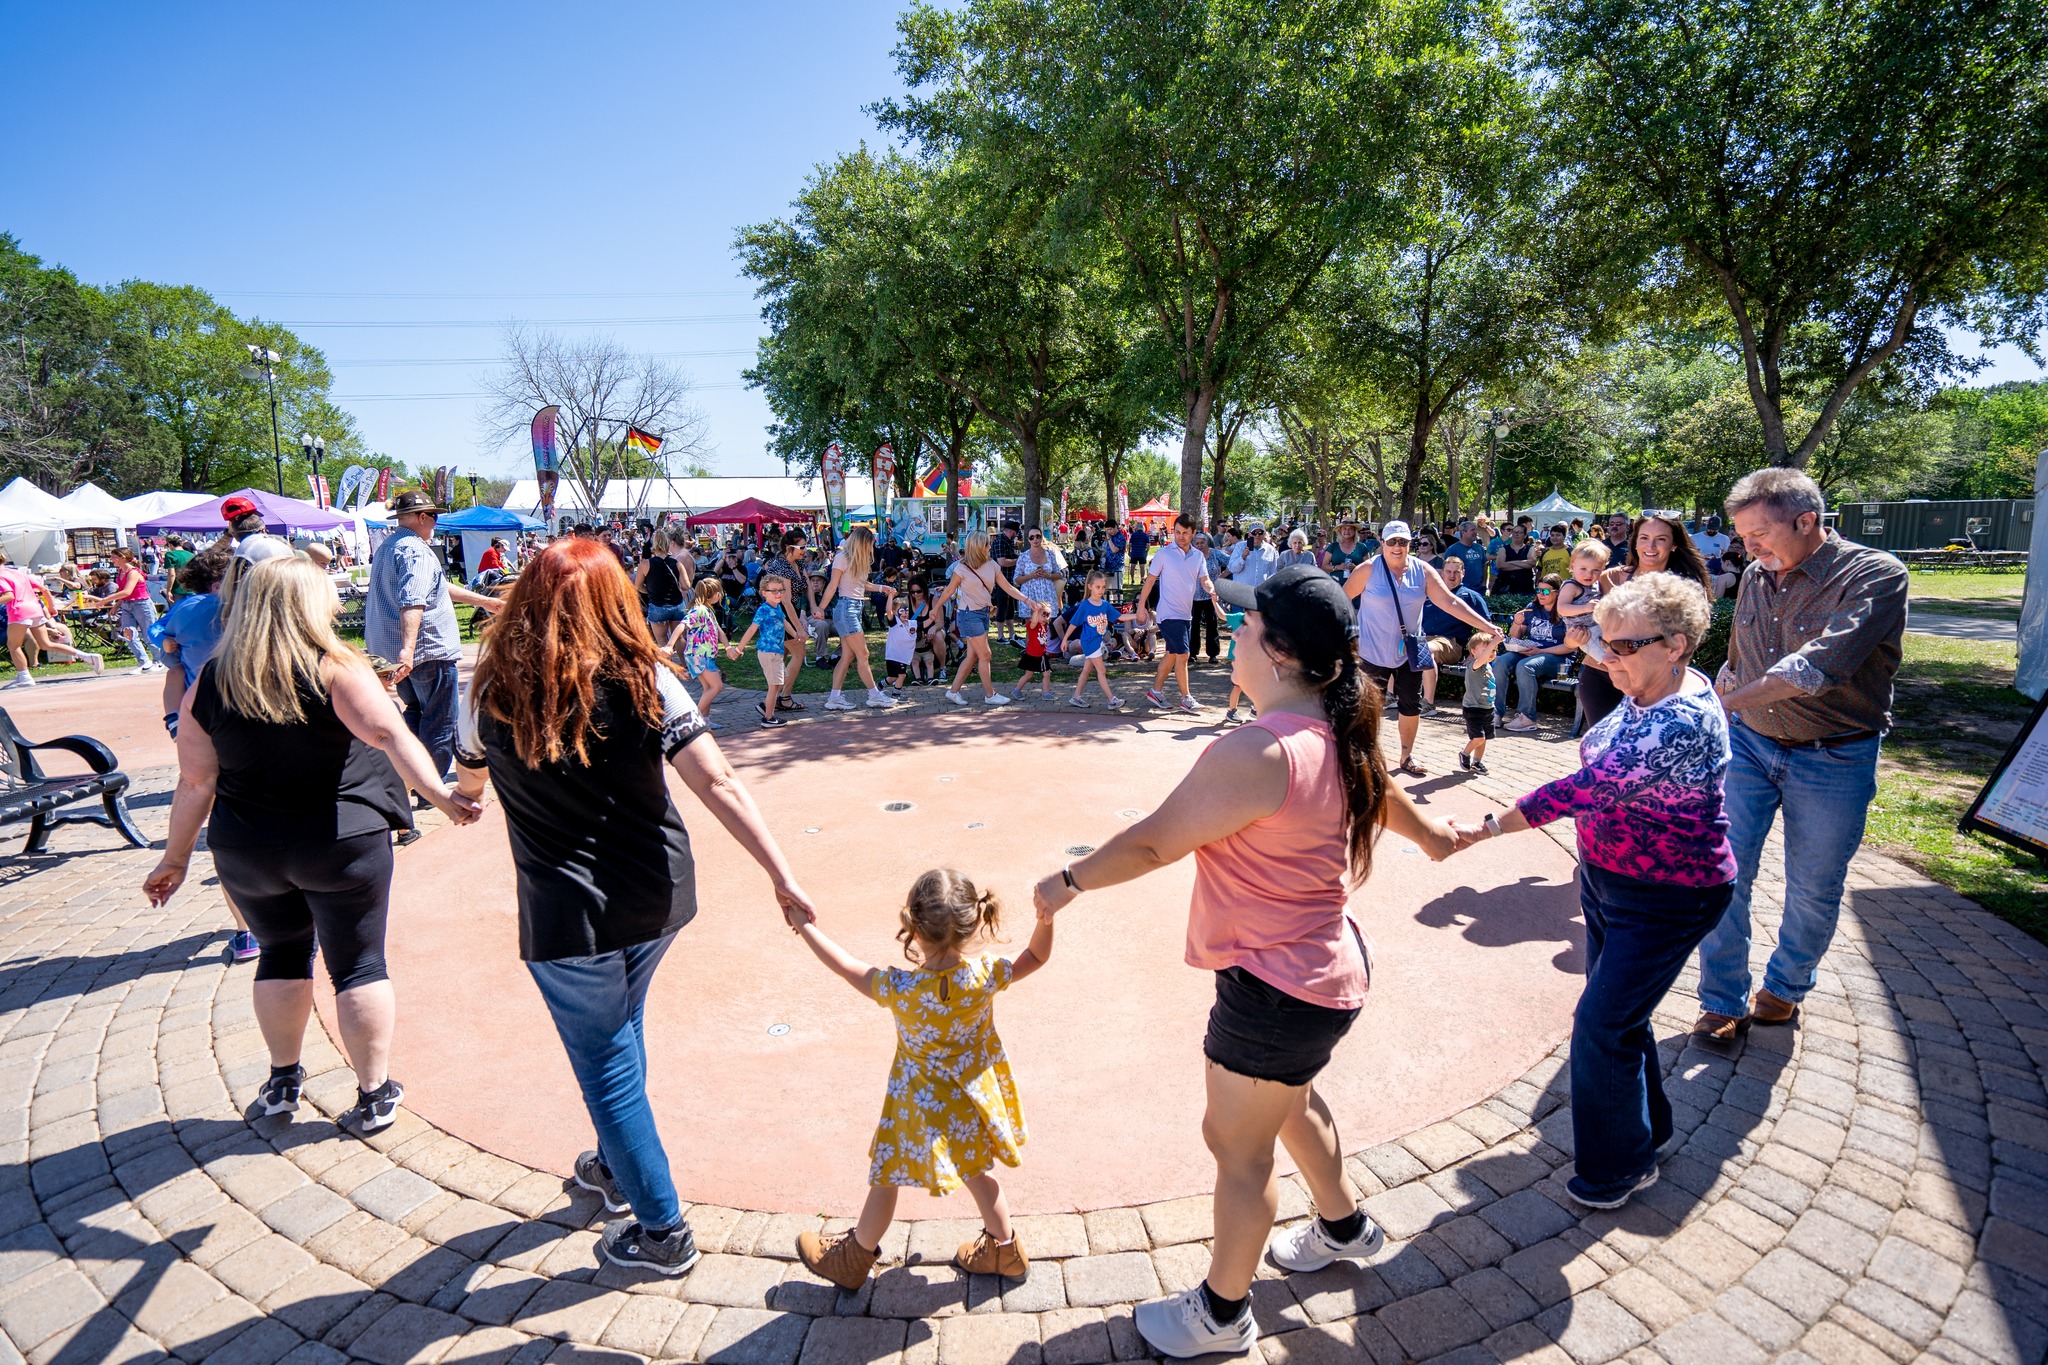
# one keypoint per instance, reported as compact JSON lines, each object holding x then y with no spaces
{"x":1766,"y":1008}
{"x":1719,"y":1028}
{"x":986,"y":1256}
{"x":842,"y":1259}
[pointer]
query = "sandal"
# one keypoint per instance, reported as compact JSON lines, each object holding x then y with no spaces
{"x":1409,"y":766}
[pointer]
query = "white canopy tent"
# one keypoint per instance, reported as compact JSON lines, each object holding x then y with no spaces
{"x":653,"y":498}
{"x":90,"y":507}
{"x":31,"y":524}
{"x":149,"y":506}
{"x":1556,"y":508}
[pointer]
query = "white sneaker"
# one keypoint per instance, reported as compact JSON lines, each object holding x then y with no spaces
{"x":1081,"y":702}
{"x":1115,"y":703}
{"x":880,"y":700}
{"x":995,"y":699}
{"x":1519,"y":723}
{"x":956,"y":699}
{"x":1311,"y":1247}
{"x":1190,"y":705}
{"x":838,"y":702}
{"x":23,"y":680}
{"x":1179,"y":1325}
{"x":97,"y":663}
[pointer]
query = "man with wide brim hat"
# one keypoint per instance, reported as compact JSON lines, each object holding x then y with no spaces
{"x":409,"y":618}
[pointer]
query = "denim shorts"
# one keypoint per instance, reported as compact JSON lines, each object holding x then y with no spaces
{"x":1260,"y":1031}
{"x":971,"y":624}
{"x":658,"y":613}
{"x":846,"y":614}
{"x":1175,"y":635}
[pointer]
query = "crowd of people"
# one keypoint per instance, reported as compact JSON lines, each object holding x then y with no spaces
{"x":296,"y":751}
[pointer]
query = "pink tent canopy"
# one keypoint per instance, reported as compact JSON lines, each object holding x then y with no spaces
{"x":749,"y":512}
{"x":281,"y":516}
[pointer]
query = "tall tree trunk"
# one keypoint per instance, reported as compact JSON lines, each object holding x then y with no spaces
{"x":953,"y":448}
{"x":1034,"y":477}
{"x":1193,"y":442}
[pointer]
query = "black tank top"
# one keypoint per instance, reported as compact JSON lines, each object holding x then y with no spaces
{"x":312,"y":782}
{"x":1519,"y":575}
{"x":664,"y":585}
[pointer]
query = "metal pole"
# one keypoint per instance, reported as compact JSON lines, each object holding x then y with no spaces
{"x":276,"y":449}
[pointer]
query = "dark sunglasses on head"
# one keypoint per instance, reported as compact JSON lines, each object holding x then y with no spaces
{"x":1626,"y":648}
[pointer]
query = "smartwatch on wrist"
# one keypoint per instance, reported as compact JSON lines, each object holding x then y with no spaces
{"x":1492,"y":825}
{"x":1067,"y":876}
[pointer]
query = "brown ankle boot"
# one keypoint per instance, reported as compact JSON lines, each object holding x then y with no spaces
{"x":1766,"y":1008}
{"x":841,"y":1259}
{"x":986,"y":1256}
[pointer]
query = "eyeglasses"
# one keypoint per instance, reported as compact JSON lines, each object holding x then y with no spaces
{"x":1626,"y":648}
{"x":1546,"y":592}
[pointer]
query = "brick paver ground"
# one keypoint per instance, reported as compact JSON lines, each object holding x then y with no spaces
{"x":1871,"y":1186}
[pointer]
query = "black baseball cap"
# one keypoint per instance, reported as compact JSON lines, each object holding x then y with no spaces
{"x":1304,"y":603}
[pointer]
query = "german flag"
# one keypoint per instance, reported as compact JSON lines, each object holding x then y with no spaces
{"x":641,"y":442}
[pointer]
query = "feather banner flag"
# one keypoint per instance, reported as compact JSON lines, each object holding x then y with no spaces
{"x":833,"y":466}
{"x":320,"y":492}
{"x":350,"y":479}
{"x":884,"y":471}
{"x":444,"y":485}
{"x":547,"y":459}
{"x":383,"y":491}
{"x":1063,"y":511}
{"x":1123,"y":502}
{"x":1205,"y":509}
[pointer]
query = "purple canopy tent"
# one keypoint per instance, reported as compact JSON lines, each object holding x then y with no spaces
{"x":281,"y":516}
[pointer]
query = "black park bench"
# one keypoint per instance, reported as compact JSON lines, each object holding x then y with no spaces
{"x":27,"y":793}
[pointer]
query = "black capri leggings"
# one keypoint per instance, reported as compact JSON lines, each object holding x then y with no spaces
{"x":336,"y":894}
{"x":1407,"y":684}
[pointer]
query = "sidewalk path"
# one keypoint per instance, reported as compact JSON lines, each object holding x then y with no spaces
{"x":1962,"y":627}
{"x":1870,"y":1186}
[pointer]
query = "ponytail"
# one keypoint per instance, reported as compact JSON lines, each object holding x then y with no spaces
{"x":1354,"y":713}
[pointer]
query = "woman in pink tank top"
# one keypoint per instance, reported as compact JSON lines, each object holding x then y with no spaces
{"x":1280,"y":816}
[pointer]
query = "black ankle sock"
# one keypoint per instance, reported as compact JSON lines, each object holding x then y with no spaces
{"x":284,"y":1073}
{"x":1344,"y":1229}
{"x":1222,"y":1309}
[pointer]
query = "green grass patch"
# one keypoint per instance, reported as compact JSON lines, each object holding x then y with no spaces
{"x":1967,"y":585}
{"x":1956,"y":712}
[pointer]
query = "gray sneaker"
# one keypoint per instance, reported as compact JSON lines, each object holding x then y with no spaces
{"x":627,"y":1243}
{"x":593,"y":1175}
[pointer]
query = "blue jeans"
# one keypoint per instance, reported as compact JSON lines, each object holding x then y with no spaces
{"x":1825,"y":795}
{"x":1530,"y":672}
{"x":599,"y":1005}
{"x":429,"y":693}
{"x":1638,"y":935}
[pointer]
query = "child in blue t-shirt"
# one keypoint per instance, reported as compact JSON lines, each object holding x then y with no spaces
{"x":1480,"y":692}
{"x":772,"y":621}
{"x":1095,"y":620}
{"x":1232,"y":619}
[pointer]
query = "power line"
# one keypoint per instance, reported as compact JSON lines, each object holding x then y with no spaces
{"x":340,"y":398}
{"x":498,"y":359}
{"x":531,"y":322}
{"x":341,"y":294}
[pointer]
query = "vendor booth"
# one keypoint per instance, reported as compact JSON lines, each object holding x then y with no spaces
{"x":478,"y":526}
{"x":31,"y":525}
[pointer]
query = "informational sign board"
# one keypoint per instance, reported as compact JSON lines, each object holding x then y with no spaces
{"x":2014,"y":804}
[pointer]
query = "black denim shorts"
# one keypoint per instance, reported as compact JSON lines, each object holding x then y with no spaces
{"x":1261,"y":1031}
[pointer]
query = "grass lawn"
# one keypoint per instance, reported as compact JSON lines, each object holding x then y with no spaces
{"x":1955,"y":713}
{"x":1957,"y":592}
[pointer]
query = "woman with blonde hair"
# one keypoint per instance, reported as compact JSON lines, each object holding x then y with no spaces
{"x":663,"y":580}
{"x":291,"y":751}
{"x":846,"y":598}
{"x":974,"y":581}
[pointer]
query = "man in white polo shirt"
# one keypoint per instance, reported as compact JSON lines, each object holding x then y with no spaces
{"x":1178,"y":568}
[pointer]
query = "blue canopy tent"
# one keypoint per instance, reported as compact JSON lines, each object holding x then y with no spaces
{"x":478,"y":525}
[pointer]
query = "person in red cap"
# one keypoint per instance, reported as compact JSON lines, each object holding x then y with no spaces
{"x":243,"y":517}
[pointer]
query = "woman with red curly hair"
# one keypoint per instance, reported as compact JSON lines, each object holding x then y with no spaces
{"x":571,"y":714}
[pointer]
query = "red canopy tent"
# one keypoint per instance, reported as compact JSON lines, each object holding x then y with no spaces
{"x":1155,"y":511}
{"x":1085,"y":514}
{"x":749,"y":512}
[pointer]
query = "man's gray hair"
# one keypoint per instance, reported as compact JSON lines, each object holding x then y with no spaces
{"x":1784,"y":493}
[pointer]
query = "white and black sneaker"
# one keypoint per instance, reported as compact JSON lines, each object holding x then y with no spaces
{"x":1613,"y":1196}
{"x":626,"y":1243}
{"x":280,"y":1094}
{"x":593,"y":1175}
{"x":1311,"y":1246}
{"x":1180,"y":1325}
{"x":374,"y":1111}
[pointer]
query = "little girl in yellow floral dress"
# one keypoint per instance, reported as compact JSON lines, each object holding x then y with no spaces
{"x":951,"y":1110}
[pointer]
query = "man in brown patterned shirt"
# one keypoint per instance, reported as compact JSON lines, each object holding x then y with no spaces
{"x":1808,"y":687}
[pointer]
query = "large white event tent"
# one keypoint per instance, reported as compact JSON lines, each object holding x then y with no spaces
{"x":31,"y":524}
{"x":1554,"y":509}
{"x":654,"y":498}
{"x":90,"y":507}
{"x":147,"y":507}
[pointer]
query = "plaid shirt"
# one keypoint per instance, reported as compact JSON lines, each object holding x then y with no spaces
{"x":1831,"y":628}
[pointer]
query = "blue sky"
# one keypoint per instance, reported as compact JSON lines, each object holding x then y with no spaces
{"x":429,"y":164}
{"x":334,"y":163}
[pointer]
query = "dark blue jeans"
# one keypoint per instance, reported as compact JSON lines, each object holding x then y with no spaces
{"x":1638,"y":936}
{"x":430,"y":693}
{"x":599,"y":1004}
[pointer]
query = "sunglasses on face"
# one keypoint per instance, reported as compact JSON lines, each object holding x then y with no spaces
{"x":1626,"y":648}
{"x":1546,"y":592}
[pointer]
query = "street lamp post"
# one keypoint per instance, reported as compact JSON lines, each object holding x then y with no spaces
{"x":315,"y":448}
{"x":472,"y":487}
{"x":263,"y":361}
{"x":1496,"y":427}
